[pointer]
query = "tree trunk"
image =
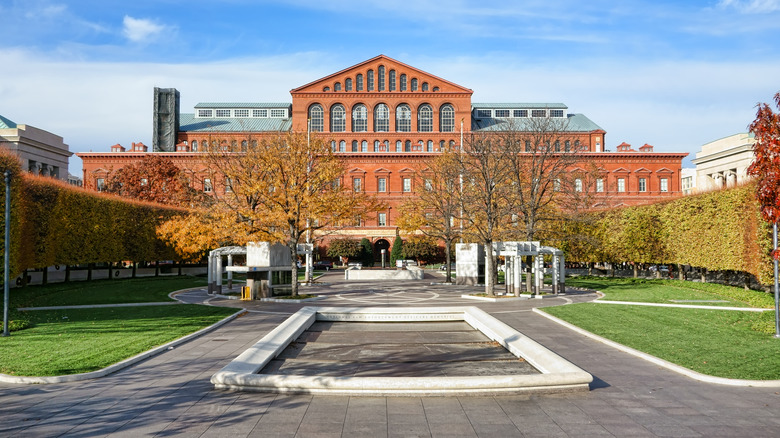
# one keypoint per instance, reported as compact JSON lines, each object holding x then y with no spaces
{"x":89,"y":271}
{"x":180,"y":268}
{"x":45,"y":276}
{"x":67,"y":273}
{"x":135,"y":269}
{"x":294,"y":264}
{"x":448,"y":258}
{"x":489,"y":268}
{"x":157,"y":269}
{"x":636,"y":271}
{"x":110,"y":266}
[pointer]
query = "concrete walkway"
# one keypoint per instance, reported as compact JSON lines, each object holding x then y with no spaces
{"x":170,"y":394}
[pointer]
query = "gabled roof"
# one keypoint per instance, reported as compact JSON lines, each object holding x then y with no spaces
{"x":389,"y":63}
{"x":190,"y":123}
{"x":6,"y":123}
{"x":573,"y":123}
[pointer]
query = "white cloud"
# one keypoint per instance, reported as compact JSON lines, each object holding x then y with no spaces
{"x":751,"y":6}
{"x":140,"y":29}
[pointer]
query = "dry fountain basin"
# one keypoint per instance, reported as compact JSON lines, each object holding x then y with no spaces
{"x":543,"y":372}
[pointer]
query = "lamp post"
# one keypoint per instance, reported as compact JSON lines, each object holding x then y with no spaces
{"x":6,"y":252}
{"x":777,"y":287}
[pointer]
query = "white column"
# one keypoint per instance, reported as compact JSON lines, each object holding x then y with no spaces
{"x":230,"y":273}
{"x":517,"y":271}
{"x":555,"y":274}
{"x":218,"y":273}
{"x":210,"y":272}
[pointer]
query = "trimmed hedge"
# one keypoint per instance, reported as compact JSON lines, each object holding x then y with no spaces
{"x":55,"y":223}
{"x":718,"y":231}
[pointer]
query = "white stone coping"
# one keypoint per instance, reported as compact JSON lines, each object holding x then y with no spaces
{"x":496,"y":299}
{"x":557,"y":374}
{"x":5,"y":378}
{"x":291,"y":300}
{"x":661,"y":362}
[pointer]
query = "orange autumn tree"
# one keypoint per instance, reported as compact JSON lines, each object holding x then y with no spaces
{"x":154,"y":179}
{"x":277,"y":190}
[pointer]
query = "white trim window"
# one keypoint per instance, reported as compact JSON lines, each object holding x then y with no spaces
{"x":222,"y":113}
{"x":406,"y":183}
{"x":382,"y":219}
{"x":664,"y":184}
{"x":381,"y":185}
{"x":642,"y":184}
{"x":279,"y":113}
{"x":621,"y":185}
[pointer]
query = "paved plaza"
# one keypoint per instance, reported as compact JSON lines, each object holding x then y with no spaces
{"x":170,"y":394}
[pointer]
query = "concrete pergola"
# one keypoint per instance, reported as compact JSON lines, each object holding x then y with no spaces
{"x":514,"y":251}
{"x":215,"y":266}
{"x":471,"y":256}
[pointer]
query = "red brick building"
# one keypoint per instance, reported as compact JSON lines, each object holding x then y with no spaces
{"x":385,"y":118}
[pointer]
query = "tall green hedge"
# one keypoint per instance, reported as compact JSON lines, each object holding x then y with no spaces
{"x":719,"y":231}
{"x":54,"y":223}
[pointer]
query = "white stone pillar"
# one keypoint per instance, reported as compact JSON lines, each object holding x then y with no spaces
{"x":230,"y":273}
{"x":518,"y":272}
{"x":555,"y":274}
{"x":210,"y":272}
{"x":218,"y":273}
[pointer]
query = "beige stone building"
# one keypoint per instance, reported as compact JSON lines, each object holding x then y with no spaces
{"x":724,"y":162}
{"x":41,"y":152}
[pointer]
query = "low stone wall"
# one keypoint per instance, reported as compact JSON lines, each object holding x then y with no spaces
{"x":411,"y":273}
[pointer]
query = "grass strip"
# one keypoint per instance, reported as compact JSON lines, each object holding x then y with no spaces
{"x":130,"y":290}
{"x":673,"y":291}
{"x":81,"y":340}
{"x":713,"y":342}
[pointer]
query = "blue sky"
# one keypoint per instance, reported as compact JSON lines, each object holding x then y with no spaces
{"x":674,"y":74}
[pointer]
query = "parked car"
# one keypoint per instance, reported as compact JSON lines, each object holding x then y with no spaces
{"x":323,"y":265}
{"x":443,"y":267}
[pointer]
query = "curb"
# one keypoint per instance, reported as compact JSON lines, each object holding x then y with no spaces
{"x":661,"y":362}
{"x":5,"y":378}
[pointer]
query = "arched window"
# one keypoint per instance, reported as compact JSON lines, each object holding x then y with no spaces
{"x":325,"y":88}
{"x":333,"y":146}
{"x":567,"y":146}
{"x":342,"y":146}
{"x":364,"y":146}
{"x":359,"y":82}
{"x":316,"y":119}
{"x":348,"y":84}
{"x":243,"y":146}
{"x":430,"y":146}
{"x":381,"y":118}
{"x":376,"y":145}
{"x":414,"y":84}
{"x":354,"y":146}
{"x":398,"y":146}
{"x":370,"y":80}
{"x":337,"y":118}
{"x":194,"y":145}
{"x":403,"y":82}
{"x":425,"y":86}
{"x":391,"y":79}
{"x":403,"y":118}
{"x":425,"y":118}
{"x":408,"y":146}
{"x":359,"y":118}
{"x":337,"y":86}
{"x":381,"y":78}
{"x":446,"y":118}
{"x":386,"y":146}
{"x":441,"y":145}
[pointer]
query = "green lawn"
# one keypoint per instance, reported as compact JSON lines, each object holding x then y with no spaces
{"x":138,"y":290}
{"x":82,"y":340}
{"x":673,"y":292}
{"x":722,"y":343}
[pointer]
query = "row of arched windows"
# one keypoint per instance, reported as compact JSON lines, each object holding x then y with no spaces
{"x":377,"y":82}
{"x":386,"y":146}
{"x":382,"y":118}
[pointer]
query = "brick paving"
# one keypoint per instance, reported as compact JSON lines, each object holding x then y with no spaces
{"x":170,"y":394}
